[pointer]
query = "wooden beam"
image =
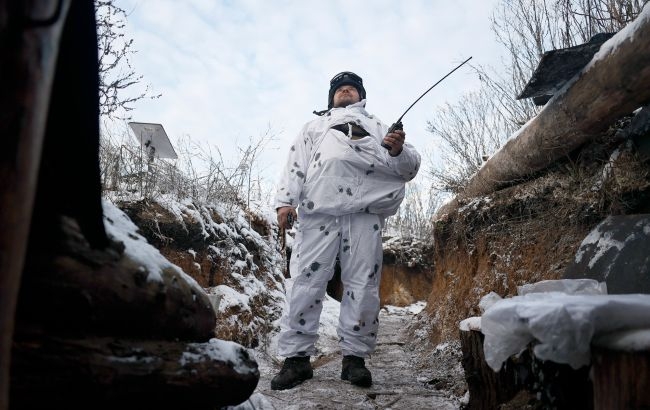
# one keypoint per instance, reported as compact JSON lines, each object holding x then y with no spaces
{"x":613,"y":86}
{"x":28,"y":46}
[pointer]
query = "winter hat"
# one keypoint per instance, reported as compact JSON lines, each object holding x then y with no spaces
{"x":345,"y":78}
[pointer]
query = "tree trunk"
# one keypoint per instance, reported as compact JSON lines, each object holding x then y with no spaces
{"x":621,"y":379}
{"x":110,"y":373}
{"x":29,"y":45}
{"x":614,"y":86}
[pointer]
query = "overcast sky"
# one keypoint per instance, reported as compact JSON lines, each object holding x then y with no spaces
{"x":229,"y":70}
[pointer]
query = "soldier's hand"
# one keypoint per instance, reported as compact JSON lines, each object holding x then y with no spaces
{"x":396,"y":141}
{"x":283,"y":213}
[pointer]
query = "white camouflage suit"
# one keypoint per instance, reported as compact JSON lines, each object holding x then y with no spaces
{"x":344,"y":189}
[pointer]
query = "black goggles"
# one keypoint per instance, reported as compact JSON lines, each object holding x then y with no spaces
{"x":345,"y":75}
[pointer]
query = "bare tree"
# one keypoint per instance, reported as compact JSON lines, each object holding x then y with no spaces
{"x":476,"y":126}
{"x":529,"y":28}
{"x":413,"y":218}
{"x":470,"y":131}
{"x":116,"y":74}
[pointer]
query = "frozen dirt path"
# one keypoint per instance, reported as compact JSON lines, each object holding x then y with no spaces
{"x":397,"y":384}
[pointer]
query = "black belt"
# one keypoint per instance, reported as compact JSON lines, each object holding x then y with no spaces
{"x":357,"y":131}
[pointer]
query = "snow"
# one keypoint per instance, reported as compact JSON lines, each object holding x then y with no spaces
{"x":217,"y":350}
{"x":608,"y":168}
{"x":627,"y":340}
{"x":471,"y":323}
{"x":626,"y":34}
{"x":488,"y":300}
{"x":121,"y":228}
{"x":229,"y":298}
{"x":603,"y":241}
{"x":561,"y":326}
{"x":413,"y":309}
{"x":572,"y":287}
{"x":134,"y":359}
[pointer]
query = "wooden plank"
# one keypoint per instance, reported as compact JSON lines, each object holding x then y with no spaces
{"x":27,"y":71}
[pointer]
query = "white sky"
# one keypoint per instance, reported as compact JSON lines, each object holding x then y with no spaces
{"x":228,"y":70}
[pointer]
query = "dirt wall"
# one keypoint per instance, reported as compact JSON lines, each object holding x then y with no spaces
{"x":529,"y":232}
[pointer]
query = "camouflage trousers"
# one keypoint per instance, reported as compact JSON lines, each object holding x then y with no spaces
{"x":356,"y":239}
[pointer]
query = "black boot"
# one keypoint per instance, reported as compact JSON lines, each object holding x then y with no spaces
{"x":295,"y":370}
{"x":354,"y":370}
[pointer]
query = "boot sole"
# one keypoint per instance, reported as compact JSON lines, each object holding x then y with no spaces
{"x":362,"y":383}
{"x":292,"y":385}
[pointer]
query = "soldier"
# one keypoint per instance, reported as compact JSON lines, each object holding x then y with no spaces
{"x":340,"y":185}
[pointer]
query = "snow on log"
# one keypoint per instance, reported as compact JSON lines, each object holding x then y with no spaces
{"x":111,"y":373}
{"x":73,"y":288}
{"x":613,"y":84}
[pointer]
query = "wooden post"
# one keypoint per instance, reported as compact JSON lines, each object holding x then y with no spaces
{"x":621,"y":370}
{"x":522,"y":377}
{"x":487,"y":388}
{"x":28,"y":46}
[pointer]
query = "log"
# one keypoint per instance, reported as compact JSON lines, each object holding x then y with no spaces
{"x":612,"y":87}
{"x":27,"y":72}
{"x":74,"y":289}
{"x":112,"y":373}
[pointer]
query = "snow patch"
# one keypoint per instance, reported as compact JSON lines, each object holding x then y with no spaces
{"x":413,"y":309}
{"x":488,"y":300}
{"x":471,"y":323}
{"x":568,"y":286}
{"x":218,"y":350}
{"x":121,"y":228}
{"x":603,"y":242}
{"x":628,"y":33}
{"x":628,"y":340}
{"x":229,"y":297}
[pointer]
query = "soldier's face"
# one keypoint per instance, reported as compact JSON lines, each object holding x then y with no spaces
{"x":345,"y":95}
